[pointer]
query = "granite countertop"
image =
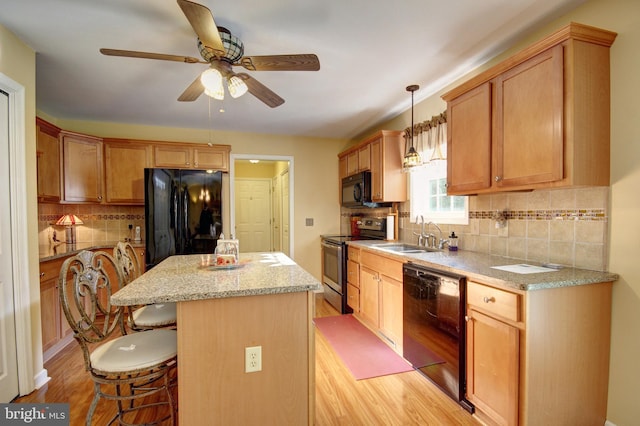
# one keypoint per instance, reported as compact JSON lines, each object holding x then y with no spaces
{"x":52,"y":251}
{"x":479,"y":266}
{"x":182,"y":278}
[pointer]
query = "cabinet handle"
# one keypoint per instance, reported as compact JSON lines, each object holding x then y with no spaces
{"x":467,"y":318}
{"x":195,"y":164}
{"x":488,"y":299}
{"x":498,"y":178}
{"x":41,"y":274}
{"x":187,"y":164}
{"x":99,"y":197}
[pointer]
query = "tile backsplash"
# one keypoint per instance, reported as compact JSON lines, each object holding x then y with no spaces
{"x":101,"y":223}
{"x":563,"y":226}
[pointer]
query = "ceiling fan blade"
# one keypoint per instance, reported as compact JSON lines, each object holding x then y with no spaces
{"x":148,"y":55}
{"x":192,"y":92}
{"x":303,"y":62}
{"x":261,"y":91}
{"x":201,"y":19}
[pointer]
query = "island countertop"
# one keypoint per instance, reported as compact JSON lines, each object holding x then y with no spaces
{"x":182,"y":278}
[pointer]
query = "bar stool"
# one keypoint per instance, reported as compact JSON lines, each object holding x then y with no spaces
{"x":146,"y":317}
{"x":125,"y":368}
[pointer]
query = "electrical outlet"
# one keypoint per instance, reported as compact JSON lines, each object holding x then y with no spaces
{"x":252,"y":359}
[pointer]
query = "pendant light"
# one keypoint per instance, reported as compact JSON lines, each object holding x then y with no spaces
{"x":412,"y":158}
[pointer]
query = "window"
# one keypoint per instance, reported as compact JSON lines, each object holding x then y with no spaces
{"x":428,"y":195}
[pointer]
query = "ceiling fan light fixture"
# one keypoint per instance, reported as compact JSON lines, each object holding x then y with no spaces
{"x":211,"y":79}
{"x":237,"y":86}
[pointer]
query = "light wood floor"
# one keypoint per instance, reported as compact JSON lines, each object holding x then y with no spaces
{"x":400,"y":399}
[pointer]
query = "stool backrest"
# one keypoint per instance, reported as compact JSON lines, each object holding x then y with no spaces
{"x":127,"y":259}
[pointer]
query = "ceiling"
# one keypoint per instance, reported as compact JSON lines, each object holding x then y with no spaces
{"x":369,"y":51}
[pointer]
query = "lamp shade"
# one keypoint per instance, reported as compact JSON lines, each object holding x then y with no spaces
{"x":69,"y":220}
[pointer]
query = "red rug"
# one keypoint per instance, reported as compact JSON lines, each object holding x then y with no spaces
{"x":364,"y":354}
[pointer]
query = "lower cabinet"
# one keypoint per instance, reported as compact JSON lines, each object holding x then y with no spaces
{"x":381,"y":296}
{"x":538,"y":357}
{"x":492,"y":367}
{"x":56,"y":333}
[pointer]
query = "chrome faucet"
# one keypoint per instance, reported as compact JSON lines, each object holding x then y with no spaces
{"x":432,"y":242}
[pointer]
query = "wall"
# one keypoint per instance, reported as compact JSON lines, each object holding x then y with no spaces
{"x":619,"y":205}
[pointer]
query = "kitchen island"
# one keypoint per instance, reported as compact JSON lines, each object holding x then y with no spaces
{"x":267,"y":301}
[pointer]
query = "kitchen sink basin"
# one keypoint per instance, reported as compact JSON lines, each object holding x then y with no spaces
{"x":404,"y":248}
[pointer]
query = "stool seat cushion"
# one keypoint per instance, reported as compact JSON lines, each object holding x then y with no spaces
{"x":155,"y":315}
{"x":135,"y":351}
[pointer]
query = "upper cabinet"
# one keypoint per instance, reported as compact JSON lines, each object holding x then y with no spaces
{"x":125,"y":161}
{"x":191,"y":156}
{"x":48,"y":151}
{"x":539,"y":119}
{"x":381,"y":154}
{"x":82,"y":168}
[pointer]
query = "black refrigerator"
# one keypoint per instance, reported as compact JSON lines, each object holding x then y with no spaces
{"x":183,"y":212}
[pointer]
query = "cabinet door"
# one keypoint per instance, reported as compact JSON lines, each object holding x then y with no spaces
{"x":124,"y":172}
{"x":172,"y":156}
{"x":529,"y":121}
{"x":210,"y":158}
{"x":377,"y":172}
{"x":49,"y":312}
{"x":48,"y":147}
{"x":391,"y":310}
{"x":364,"y":157}
{"x":342,"y":170}
{"x":82,"y":170}
{"x":469,"y":141}
{"x":352,"y":163}
{"x":492,"y":367}
{"x":369,"y":296}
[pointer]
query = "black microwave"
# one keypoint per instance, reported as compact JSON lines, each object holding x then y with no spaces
{"x":356,"y":190}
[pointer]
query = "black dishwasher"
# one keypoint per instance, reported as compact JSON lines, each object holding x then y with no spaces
{"x":434,"y":328}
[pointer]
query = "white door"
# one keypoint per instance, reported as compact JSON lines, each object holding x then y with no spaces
{"x":8,"y":359}
{"x":284,"y":184}
{"x":252,"y":214}
{"x":276,"y":217}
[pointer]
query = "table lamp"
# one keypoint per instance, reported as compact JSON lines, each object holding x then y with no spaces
{"x":69,"y":221}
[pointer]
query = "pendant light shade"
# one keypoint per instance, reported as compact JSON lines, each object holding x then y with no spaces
{"x":412,"y":158}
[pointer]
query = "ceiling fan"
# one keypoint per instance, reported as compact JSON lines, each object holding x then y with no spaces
{"x":222,"y":51}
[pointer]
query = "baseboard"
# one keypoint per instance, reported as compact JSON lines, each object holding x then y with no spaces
{"x":42,"y":378}
{"x":608,"y":423}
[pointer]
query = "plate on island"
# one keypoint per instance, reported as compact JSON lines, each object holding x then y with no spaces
{"x":227,"y":266}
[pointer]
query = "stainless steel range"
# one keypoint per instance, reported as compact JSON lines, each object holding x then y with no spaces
{"x":334,"y":259}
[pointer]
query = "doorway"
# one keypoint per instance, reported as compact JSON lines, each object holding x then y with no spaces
{"x":261,"y":205}
{"x":16,"y":356}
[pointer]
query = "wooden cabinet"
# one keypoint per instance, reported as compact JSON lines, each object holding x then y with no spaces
{"x":539,"y":119}
{"x":370,"y":297}
{"x":192,"y":156}
{"x":125,"y":161}
{"x":527,"y":350}
{"x":492,"y":354}
{"x":381,"y":296}
{"x":381,"y":154}
{"x":353,"y":278}
{"x":48,"y":152}
{"x":56,"y":333}
{"x":388,"y":182}
{"x":82,"y":168}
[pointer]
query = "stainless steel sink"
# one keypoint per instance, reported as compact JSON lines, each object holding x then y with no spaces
{"x":404,"y":248}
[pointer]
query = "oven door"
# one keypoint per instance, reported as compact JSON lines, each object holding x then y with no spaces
{"x":334,"y":275}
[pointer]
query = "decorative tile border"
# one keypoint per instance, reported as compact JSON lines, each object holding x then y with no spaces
{"x":584,"y":215}
{"x":86,"y":217}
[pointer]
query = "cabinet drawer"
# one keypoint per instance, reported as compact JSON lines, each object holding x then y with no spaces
{"x":50,"y":269}
{"x":493,"y":300}
{"x":353,"y":254}
{"x":353,"y":273}
{"x":353,"y":297}
{"x":384,"y":265}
